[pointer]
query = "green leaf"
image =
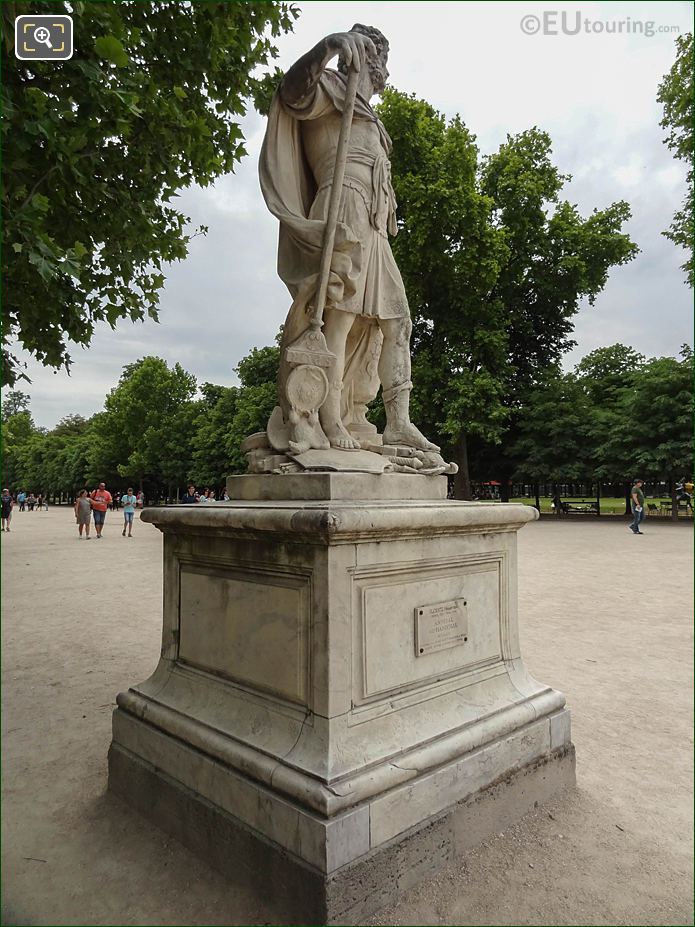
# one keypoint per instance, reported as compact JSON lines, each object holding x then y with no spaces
{"x":40,"y":202}
{"x":180,"y":93}
{"x":108,"y":46}
{"x":16,"y":247}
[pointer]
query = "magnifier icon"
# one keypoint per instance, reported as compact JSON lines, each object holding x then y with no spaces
{"x":42,"y":35}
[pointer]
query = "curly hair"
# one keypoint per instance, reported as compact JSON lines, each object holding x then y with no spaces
{"x":378,"y":37}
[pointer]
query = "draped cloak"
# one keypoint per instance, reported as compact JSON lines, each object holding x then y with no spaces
{"x":364,"y":277}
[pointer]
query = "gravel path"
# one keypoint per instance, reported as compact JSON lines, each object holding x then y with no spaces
{"x":605,"y":617}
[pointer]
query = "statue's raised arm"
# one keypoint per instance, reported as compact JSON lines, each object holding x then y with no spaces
{"x":352,"y":47}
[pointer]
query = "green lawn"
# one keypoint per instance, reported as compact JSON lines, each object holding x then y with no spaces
{"x":609,"y":506}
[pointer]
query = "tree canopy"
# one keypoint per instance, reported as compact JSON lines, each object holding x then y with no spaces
{"x":158,"y":429}
{"x":495,"y":266}
{"x":13,"y":402}
{"x":615,"y":417}
{"x":647,"y":430}
{"x":676,"y":95}
{"x":96,"y":149}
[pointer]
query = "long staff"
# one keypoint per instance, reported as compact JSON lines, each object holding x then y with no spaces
{"x":311,"y":347}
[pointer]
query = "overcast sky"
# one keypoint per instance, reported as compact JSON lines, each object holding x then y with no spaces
{"x":593,"y":92}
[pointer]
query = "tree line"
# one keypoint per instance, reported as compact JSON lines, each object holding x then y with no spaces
{"x":616,"y":416}
{"x":158,"y":430}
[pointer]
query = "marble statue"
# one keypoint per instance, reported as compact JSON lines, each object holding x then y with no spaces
{"x":366,"y":326}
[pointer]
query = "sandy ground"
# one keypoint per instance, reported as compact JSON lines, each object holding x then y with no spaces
{"x":605,"y":617}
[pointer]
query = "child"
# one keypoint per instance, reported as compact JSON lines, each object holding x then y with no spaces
{"x":128,"y":501}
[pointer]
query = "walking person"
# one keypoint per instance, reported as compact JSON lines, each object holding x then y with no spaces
{"x":31,"y":501}
{"x":7,"y":506}
{"x":83,"y":512}
{"x":637,"y":505}
{"x":128,"y":501}
{"x":101,"y":498}
{"x":21,"y":500}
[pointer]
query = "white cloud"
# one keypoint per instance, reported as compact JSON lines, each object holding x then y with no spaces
{"x":594,"y":94}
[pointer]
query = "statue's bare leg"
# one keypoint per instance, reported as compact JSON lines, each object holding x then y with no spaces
{"x":336,"y":327}
{"x":394,"y":373}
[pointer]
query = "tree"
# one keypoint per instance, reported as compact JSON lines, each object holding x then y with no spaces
{"x":606,"y":372}
{"x":605,"y":375}
{"x":96,"y":148}
{"x":676,"y":94}
{"x":554,"y":430}
{"x":495,"y":266}
{"x":259,"y":367}
{"x":17,"y":431}
{"x":450,"y":255}
{"x":146,"y":429}
{"x":258,"y":373}
{"x":210,"y":458}
{"x":555,"y":257}
{"x":651,"y":430}
{"x":15,"y":401}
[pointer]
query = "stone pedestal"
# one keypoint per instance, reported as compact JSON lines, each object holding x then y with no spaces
{"x":340,"y":705}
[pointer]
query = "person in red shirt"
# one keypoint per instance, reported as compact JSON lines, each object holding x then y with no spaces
{"x":101,"y":499}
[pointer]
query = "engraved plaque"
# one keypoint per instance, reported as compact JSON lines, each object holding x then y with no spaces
{"x":440,"y":626}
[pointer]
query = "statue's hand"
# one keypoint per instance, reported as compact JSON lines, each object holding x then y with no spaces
{"x":354,"y":47}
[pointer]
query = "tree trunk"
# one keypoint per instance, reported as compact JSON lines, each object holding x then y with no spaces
{"x":537,"y":490}
{"x":598,"y":497}
{"x":628,"y":497}
{"x":462,"y":480}
{"x":504,"y":488}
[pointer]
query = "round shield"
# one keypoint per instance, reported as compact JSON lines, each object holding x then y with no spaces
{"x":307,"y":388}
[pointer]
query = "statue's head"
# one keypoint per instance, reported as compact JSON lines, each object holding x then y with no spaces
{"x":377,"y":67}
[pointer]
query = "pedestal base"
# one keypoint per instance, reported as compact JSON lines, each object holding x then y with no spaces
{"x":338,"y":678}
{"x":290,"y":891}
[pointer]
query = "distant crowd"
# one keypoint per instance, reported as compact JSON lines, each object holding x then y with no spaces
{"x":29,"y":501}
{"x":89,"y":506}
{"x":192,"y":496}
{"x":25,"y":502}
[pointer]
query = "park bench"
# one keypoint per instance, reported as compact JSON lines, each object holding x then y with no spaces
{"x":665,"y":507}
{"x":580,"y":508}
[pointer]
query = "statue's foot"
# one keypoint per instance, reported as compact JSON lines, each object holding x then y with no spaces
{"x":340,"y":437}
{"x":408,"y":435}
{"x":298,"y":447}
{"x":305,"y":435}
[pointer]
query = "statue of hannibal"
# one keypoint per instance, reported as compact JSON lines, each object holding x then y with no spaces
{"x":366,"y":320}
